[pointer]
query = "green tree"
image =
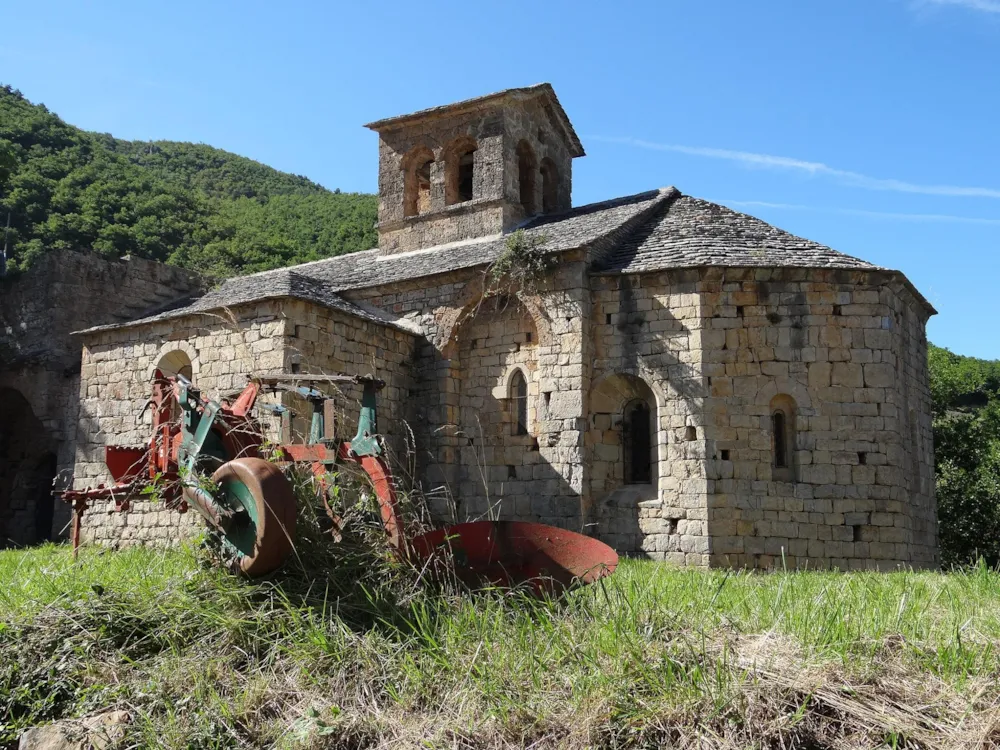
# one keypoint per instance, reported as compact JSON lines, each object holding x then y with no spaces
{"x":183,"y":203}
{"x":966,"y":406}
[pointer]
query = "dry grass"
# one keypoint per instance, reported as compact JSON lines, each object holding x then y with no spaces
{"x":364,"y":657}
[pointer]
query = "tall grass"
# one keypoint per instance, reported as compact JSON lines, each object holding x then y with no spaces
{"x":654,"y":656}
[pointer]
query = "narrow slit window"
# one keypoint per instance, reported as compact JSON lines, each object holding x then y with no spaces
{"x":638,"y":443}
{"x":779,"y":430}
{"x":519,"y":403}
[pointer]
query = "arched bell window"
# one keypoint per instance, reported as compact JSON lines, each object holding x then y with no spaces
{"x":638,"y":442}
{"x":417,"y":181}
{"x":526,"y":168}
{"x":460,"y":171}
{"x":518,"y":397}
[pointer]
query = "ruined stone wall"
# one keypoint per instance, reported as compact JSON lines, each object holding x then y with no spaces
{"x":825,"y":345}
{"x":647,"y":342}
{"x":40,"y":365}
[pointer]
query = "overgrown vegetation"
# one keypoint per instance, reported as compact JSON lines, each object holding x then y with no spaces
{"x":655,"y":657}
{"x":966,"y":405}
{"x":183,"y":203}
{"x":520,"y":267}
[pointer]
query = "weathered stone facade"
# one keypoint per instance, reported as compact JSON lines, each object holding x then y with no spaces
{"x":40,"y":371}
{"x":687,"y":382}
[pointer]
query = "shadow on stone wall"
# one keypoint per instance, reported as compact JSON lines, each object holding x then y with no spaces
{"x":27,"y":470}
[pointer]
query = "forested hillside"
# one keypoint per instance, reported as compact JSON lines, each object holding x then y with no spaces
{"x":182,"y":203}
{"x":966,"y":402}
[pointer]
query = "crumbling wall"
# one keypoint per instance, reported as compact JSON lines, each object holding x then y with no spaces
{"x":40,"y":363}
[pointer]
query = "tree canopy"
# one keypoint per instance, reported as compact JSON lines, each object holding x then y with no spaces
{"x":966,"y":406}
{"x":182,"y":203}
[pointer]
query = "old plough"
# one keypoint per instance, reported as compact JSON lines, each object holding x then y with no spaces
{"x":210,"y":455}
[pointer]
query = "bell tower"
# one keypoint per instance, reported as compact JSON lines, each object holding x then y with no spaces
{"x":473,"y":169}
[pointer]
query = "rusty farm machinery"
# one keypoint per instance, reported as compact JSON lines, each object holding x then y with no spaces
{"x":249,"y":502}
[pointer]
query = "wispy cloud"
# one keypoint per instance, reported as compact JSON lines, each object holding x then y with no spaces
{"x":986,"y":6}
{"x":846,"y":177}
{"x":861,"y":212}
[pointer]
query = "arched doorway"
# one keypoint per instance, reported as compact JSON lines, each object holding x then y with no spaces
{"x":27,"y":468}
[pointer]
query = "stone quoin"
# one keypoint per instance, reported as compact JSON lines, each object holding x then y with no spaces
{"x":686,"y":382}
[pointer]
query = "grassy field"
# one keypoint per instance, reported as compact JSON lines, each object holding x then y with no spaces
{"x":654,"y":657}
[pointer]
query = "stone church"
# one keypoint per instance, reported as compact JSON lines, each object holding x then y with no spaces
{"x":686,"y":382}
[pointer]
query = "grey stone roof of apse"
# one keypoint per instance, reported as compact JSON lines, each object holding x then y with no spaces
{"x":653,"y":231}
{"x":691,"y":232}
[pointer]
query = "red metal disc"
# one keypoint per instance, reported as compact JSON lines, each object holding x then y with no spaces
{"x":507,"y":553}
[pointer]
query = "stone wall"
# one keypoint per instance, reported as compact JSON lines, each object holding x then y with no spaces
{"x":495,"y":132}
{"x":469,"y":462}
{"x":826,"y":345}
{"x":648,"y":330}
{"x":223,"y":349}
{"x":40,"y":365}
{"x":324,"y":341}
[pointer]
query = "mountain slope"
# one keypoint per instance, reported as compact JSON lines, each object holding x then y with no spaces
{"x":189,"y":204}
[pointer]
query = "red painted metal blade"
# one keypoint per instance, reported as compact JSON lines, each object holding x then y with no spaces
{"x":508,"y":553}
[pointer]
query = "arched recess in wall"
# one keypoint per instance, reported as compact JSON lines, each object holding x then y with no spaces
{"x":176,"y":362}
{"x":494,"y":380}
{"x":417,"y":166}
{"x":175,"y":357}
{"x":783,"y":412}
{"x":550,"y":186}
{"x":527,"y":166}
{"x":471,"y":302}
{"x":623,"y":434}
{"x":460,"y":170}
{"x":27,"y":470}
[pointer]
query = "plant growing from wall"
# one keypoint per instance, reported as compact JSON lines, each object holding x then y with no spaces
{"x":520,"y":267}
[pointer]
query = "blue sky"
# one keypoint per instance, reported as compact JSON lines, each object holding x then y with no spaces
{"x":868,"y":125}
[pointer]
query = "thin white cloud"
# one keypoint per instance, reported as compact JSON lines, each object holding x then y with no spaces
{"x":861,"y":212}
{"x":986,"y":6}
{"x":845,"y":177}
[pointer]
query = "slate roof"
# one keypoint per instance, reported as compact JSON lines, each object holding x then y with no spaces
{"x":279,"y":284}
{"x":652,"y":231}
{"x":545,"y":90}
{"x":691,"y":232}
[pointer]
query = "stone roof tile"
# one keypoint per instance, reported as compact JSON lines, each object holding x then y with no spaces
{"x":690,"y":232}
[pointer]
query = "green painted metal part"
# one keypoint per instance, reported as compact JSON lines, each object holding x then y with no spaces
{"x":366,"y":443}
{"x":240,"y":531}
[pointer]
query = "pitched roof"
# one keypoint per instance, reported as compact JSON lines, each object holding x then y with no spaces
{"x":282,"y":283}
{"x":691,"y":232}
{"x":652,"y":231}
{"x":544,"y":90}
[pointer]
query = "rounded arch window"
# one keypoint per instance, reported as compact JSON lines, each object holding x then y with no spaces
{"x":417,"y":181}
{"x":460,"y":170}
{"x":638,"y":442}
{"x":518,"y":395}
{"x":783,"y":440}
